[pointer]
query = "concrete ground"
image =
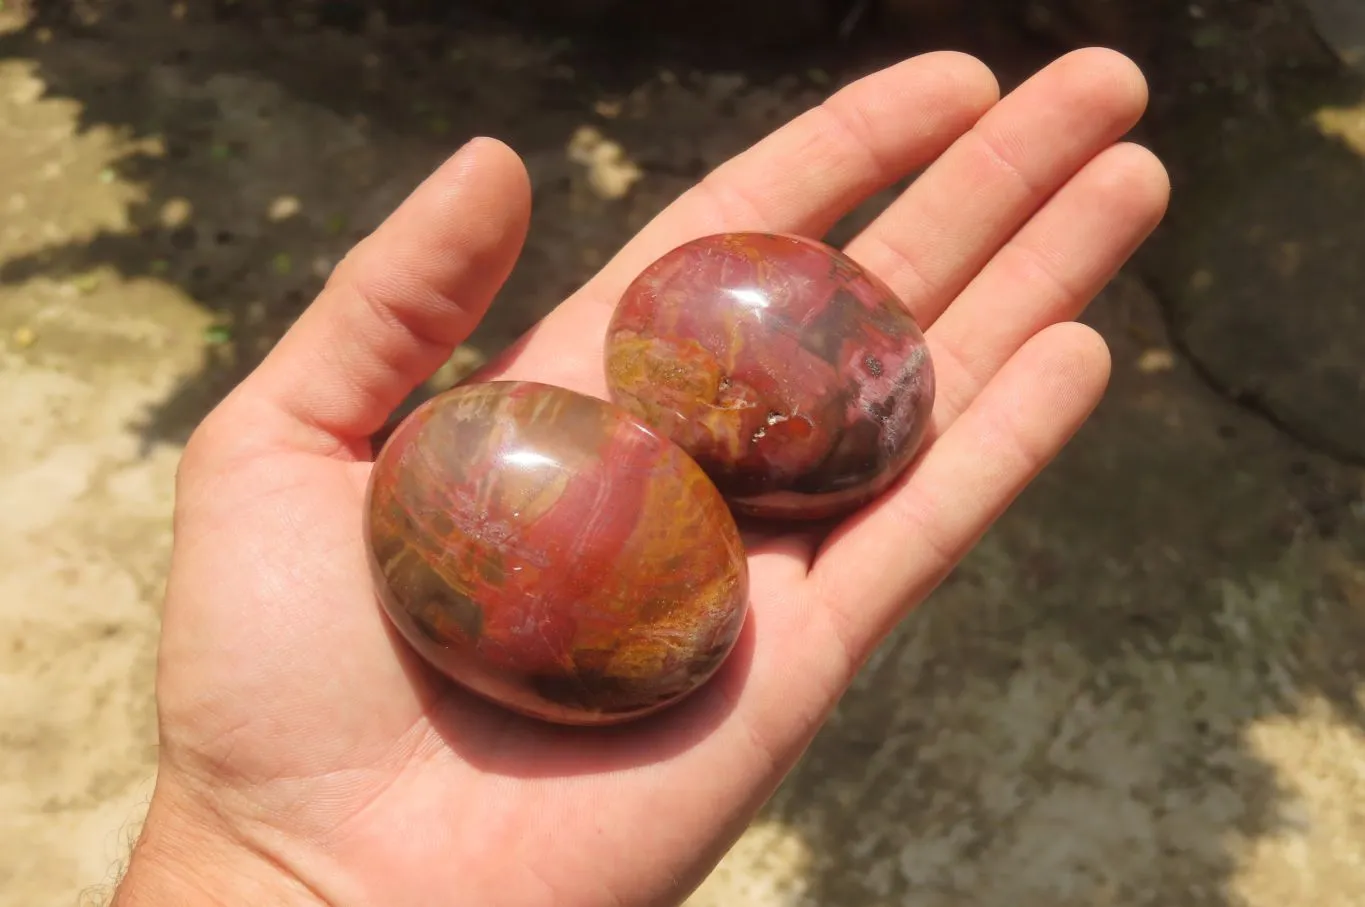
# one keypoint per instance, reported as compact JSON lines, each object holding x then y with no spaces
{"x":1145,"y":687}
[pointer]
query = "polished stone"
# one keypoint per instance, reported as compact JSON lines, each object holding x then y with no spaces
{"x":547,"y":551}
{"x":797,"y":379}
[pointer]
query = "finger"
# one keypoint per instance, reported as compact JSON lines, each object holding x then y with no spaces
{"x":803,"y":178}
{"x":1047,"y":273}
{"x":814,"y":170}
{"x":892,"y":555}
{"x":397,"y":306}
{"x":933,"y":239}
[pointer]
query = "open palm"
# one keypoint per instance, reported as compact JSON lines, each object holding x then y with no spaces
{"x":316,"y":758}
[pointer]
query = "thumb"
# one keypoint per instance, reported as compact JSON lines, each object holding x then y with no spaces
{"x":397,"y":306}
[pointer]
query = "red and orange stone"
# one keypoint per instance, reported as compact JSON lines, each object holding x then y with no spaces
{"x":795,"y":378}
{"x":545,"y":550}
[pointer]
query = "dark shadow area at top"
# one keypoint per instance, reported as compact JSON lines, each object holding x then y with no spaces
{"x":1068,"y":719}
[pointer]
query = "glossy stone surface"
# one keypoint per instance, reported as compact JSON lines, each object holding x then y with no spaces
{"x":545,"y":550}
{"x":797,"y":380}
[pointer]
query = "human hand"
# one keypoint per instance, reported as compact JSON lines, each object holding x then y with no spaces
{"x":307,"y":756}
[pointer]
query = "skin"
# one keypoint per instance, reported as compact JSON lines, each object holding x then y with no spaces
{"x":308,"y":757}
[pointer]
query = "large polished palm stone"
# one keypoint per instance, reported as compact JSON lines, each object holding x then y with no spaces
{"x":547,"y":551}
{"x":797,"y":379}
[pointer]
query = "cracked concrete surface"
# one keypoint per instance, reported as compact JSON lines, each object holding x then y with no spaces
{"x":1143,"y":688}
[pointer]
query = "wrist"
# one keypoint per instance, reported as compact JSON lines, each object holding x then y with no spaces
{"x":185,"y":857}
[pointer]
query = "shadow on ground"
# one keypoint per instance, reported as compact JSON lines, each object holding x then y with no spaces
{"x":1107,"y":699}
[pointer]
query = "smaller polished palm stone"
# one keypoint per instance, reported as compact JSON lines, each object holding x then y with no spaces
{"x":798,"y":380}
{"x":547,"y":551}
